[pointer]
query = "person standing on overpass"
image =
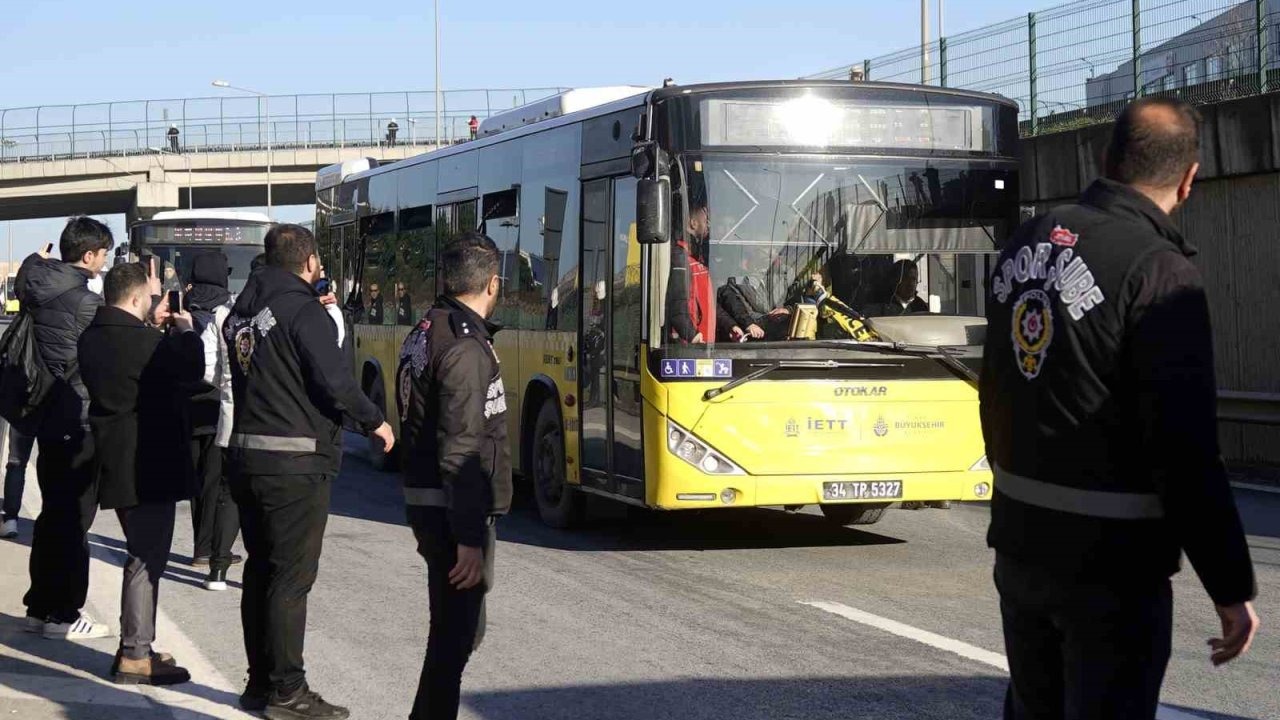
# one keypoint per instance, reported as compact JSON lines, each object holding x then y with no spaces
{"x":1098,"y":403}
{"x":173,"y":139}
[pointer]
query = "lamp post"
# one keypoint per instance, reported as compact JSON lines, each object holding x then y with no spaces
{"x":413,"y":132}
{"x":266,"y":116}
{"x":439,"y":122}
{"x":191,"y":203}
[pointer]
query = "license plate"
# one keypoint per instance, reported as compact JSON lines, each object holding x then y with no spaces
{"x":862,"y":490}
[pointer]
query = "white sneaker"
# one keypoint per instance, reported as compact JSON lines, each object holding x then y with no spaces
{"x":215,"y":585}
{"x":84,"y":628}
{"x":9,"y":528}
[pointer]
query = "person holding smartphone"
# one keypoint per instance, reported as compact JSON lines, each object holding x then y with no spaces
{"x":139,"y":377}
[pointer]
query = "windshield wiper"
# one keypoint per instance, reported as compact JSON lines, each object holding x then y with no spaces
{"x":944,"y":354}
{"x":789,"y":364}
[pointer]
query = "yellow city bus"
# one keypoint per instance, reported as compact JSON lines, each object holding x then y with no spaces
{"x":849,"y":226}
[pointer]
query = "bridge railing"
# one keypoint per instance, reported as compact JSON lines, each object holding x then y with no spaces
{"x":1080,"y":63}
{"x":246,"y":122}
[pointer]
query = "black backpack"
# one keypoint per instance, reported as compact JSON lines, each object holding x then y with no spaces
{"x":24,"y":380}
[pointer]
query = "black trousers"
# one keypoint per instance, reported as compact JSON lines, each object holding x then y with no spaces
{"x":282,"y":518}
{"x":214,"y":517}
{"x":59,"y":545}
{"x":15,"y":471}
{"x":457,"y":616}
{"x":148,"y":535}
{"x":1083,"y":650}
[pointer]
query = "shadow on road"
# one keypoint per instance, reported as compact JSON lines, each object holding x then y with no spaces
{"x":905,"y":697}
{"x":92,"y":698}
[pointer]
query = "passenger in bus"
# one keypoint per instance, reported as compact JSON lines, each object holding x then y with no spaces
{"x":902,"y":297}
{"x":375,"y":304}
{"x":691,"y":308}
{"x":744,"y":300}
{"x":404,"y":305}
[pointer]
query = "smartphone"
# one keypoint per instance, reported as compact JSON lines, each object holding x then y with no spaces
{"x":48,"y":248}
{"x":324,"y":286}
{"x":175,"y":301}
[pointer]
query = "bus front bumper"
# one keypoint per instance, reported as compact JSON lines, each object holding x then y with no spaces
{"x":694,"y":490}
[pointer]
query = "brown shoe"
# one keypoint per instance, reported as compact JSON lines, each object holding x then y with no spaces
{"x":161,"y":657}
{"x":149,"y":671}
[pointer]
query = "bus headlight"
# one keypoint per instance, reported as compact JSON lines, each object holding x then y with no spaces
{"x":982,"y":464}
{"x":688,"y":447}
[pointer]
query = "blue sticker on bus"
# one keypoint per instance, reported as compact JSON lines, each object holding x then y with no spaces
{"x":700,"y":368}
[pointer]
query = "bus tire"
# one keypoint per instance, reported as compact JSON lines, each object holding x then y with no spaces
{"x":855,"y":514}
{"x":559,"y":504}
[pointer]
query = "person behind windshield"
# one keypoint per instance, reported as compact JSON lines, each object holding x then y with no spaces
{"x":691,"y":309}
{"x":744,"y":301}
{"x":903,"y":300}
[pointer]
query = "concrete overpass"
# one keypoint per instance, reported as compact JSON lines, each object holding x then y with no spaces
{"x":142,"y":156}
{"x":141,"y":185}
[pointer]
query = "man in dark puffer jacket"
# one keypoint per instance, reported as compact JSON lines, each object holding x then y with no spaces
{"x":56,"y":294}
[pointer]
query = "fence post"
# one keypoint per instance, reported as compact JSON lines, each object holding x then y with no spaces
{"x":1137,"y":49}
{"x":1031,"y":66}
{"x":333,"y":117}
{"x":373,"y":135}
{"x":1261,"y":12}
{"x":146,"y":121}
{"x":866,"y":69}
{"x":110,"y":130}
{"x":185,"y":136}
{"x":942,"y":62}
{"x":73,"y":129}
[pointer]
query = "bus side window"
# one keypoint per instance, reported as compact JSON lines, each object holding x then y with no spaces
{"x":418,"y":251}
{"x":380,"y":267}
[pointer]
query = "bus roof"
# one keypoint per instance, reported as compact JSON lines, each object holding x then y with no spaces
{"x":334,"y":175}
{"x":187,"y":215}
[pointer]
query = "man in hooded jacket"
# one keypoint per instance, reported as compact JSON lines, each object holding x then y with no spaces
{"x":213,"y":514}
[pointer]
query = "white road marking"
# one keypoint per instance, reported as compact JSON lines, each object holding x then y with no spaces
{"x":957,"y":647}
{"x":204,"y":697}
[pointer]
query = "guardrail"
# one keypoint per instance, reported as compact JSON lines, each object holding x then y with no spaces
{"x":1249,"y":407}
{"x":247,"y":122}
{"x":1079,"y":63}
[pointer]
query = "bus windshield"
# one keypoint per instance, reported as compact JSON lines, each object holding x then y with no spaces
{"x":885,"y":236}
{"x":179,"y":258}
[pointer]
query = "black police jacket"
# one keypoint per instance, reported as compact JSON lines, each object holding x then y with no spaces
{"x":290,"y":380}
{"x":1099,"y":400}
{"x":453,"y":420}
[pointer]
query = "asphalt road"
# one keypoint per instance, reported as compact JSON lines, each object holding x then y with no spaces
{"x":646,"y":616}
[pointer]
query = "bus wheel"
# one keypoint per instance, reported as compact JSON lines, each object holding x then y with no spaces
{"x":860,"y":514}
{"x":559,"y":504}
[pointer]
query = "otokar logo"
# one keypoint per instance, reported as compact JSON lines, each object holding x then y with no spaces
{"x":862,"y":391}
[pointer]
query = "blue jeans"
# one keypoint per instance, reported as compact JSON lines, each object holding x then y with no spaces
{"x":15,"y":472}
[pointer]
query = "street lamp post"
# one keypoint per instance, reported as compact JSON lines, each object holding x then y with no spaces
{"x":413,"y":132}
{"x":439,"y":122}
{"x":191,"y":202}
{"x":266,"y":116}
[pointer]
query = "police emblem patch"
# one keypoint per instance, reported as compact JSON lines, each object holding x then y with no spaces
{"x":1032,"y":331}
{"x":245,"y":343}
{"x":1063,"y":237}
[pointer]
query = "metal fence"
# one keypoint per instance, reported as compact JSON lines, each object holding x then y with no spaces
{"x":1079,"y":63}
{"x":240,"y":122}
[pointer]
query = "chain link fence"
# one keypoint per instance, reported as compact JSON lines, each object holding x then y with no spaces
{"x":239,"y":122}
{"x":1078,"y":64}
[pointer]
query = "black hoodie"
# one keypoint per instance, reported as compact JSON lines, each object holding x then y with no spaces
{"x":290,"y":380}
{"x":61,"y":305}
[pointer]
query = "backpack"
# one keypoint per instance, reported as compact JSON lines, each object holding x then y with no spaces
{"x":24,"y":380}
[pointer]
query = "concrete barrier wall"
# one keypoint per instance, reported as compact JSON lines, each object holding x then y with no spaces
{"x":1233,"y":216}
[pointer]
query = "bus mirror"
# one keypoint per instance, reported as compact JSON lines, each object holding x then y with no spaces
{"x":642,"y":161}
{"x":653,"y":211}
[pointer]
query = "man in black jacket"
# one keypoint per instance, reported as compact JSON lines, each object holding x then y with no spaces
{"x":292,"y":387}
{"x":139,"y":380}
{"x":457,"y":470}
{"x":57,"y":296}
{"x":1098,"y":408}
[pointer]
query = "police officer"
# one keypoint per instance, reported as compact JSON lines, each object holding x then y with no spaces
{"x":457,"y":471}
{"x":1098,"y":408}
{"x":291,"y":386}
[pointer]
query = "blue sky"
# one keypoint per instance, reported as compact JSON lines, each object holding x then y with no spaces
{"x":77,"y":51}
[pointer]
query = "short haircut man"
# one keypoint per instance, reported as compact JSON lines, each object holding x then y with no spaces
{"x":291,"y":386}
{"x":289,"y":246}
{"x":1098,"y":407}
{"x":1154,"y":141}
{"x":142,"y":438}
{"x":83,"y":235}
{"x":457,"y":472}
{"x":467,"y":263}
